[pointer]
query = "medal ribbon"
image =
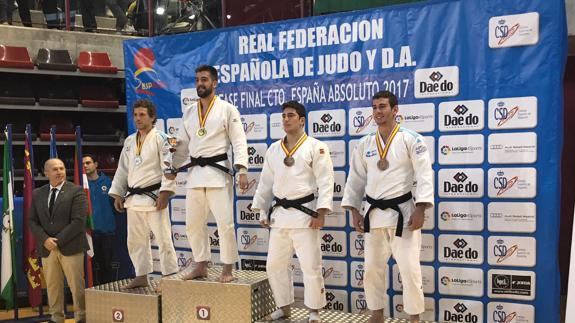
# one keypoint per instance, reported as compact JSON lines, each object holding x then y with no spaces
{"x":299,"y":142}
{"x":201,"y":118}
{"x":138,"y":144}
{"x":383,"y":151}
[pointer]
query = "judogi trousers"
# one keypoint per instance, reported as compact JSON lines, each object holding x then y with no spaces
{"x":140,"y":223}
{"x":380,"y":243}
{"x":199,"y":203}
{"x":307,"y":246}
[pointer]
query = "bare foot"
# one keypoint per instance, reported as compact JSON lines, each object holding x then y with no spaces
{"x":139,"y":281}
{"x":376,"y":317}
{"x":314,"y":316}
{"x":414,"y":318}
{"x":226,"y":275}
{"x":280,"y":313}
{"x":201,"y":271}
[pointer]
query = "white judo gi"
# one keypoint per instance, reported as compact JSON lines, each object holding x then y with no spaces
{"x":408,"y":162}
{"x":142,"y":214}
{"x":208,"y":188}
{"x":312,"y":173}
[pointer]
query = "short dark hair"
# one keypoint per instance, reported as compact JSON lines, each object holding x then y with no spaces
{"x":208,"y":68}
{"x":386,"y":95}
{"x":298,"y":107}
{"x":149,"y":106}
{"x":91,"y":156}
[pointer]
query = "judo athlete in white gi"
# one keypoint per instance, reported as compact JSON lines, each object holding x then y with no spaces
{"x":140,"y":187}
{"x":384,"y":166}
{"x":209,"y":127}
{"x":295,"y":169}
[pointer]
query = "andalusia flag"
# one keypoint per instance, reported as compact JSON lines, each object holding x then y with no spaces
{"x":8,"y":273}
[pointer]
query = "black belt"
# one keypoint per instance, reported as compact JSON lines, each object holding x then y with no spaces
{"x":144,"y":191}
{"x":207,"y":161}
{"x":387,"y":204}
{"x":296,"y":204}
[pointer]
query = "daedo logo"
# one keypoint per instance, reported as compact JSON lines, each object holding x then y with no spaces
{"x":328,"y":246}
{"x":461,"y":118}
{"x":460,"y":252}
{"x":146,"y":77}
{"x":437,"y":82}
{"x":461,"y":185}
{"x":333,"y":303}
{"x":460,"y":313}
{"x":249,"y":215}
{"x":215,"y":240}
{"x":254,"y":158}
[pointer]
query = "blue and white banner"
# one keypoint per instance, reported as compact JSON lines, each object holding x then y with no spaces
{"x":480,"y":80}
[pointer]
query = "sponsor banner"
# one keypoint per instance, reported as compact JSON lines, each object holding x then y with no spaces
{"x":255,"y":126}
{"x":181,"y":181}
{"x":351,"y":147}
{"x":512,"y":148}
{"x":178,"y":207}
{"x":253,"y":180}
{"x":460,"y":182}
{"x":427,"y":248}
{"x":326,"y":123}
{"x":156,"y":265}
{"x":214,"y":238}
{"x":436,"y":82}
{"x":337,"y":152}
{"x":336,"y":300}
{"x":514,"y":30}
{"x":460,"y":216}
{"x":461,"y":115}
{"x":245,"y":214}
{"x":461,"y":249}
{"x":339,"y":178}
{"x":511,"y":251}
{"x":427,"y":277}
{"x":252,"y":239}
{"x":181,"y":237}
{"x":512,"y":284}
{"x":188,"y":97}
{"x":360,"y":122}
{"x":427,"y":315}
{"x":511,"y":217}
{"x":252,"y":262}
{"x":276,"y":128}
{"x":357,"y":269}
{"x":513,"y":113}
{"x":359,"y":304}
{"x":460,"y":281}
{"x":173,"y":126}
{"x":337,"y":218}
{"x":356,"y":244}
{"x":460,"y":311}
{"x":161,"y":125}
{"x":417,"y":117}
{"x":461,"y":150}
{"x":512,"y":182}
{"x":335,"y":272}
{"x":256,"y":154}
{"x":334,"y":243}
{"x":499,"y":312}
{"x":185,"y":259}
{"x":429,"y":215}
{"x":430,"y":144}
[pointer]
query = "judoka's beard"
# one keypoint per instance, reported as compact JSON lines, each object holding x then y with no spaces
{"x":203,"y":92}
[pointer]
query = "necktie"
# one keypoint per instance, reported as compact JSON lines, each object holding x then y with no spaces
{"x":52,"y":200}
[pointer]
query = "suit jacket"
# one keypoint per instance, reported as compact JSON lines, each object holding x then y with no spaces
{"x":67,"y":223}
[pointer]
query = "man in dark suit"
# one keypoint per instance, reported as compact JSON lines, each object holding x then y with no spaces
{"x":58,"y":220}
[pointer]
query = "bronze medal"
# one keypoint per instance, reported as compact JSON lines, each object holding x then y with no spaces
{"x":289,"y":161}
{"x":382,"y":164}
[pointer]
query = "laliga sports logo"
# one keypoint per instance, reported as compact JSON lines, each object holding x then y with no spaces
{"x":502,"y":252}
{"x":360,"y":122}
{"x":500,"y":316}
{"x":503,"y":32}
{"x":502,"y":114}
{"x":503,"y":184}
{"x":399,"y":308}
{"x":445,"y":216}
{"x":247,"y":240}
{"x":445,"y":281}
{"x":445,"y":150}
{"x":399,"y":118}
{"x":248,"y":127}
{"x":146,"y":77}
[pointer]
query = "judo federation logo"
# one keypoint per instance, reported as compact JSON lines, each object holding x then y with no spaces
{"x":247,"y":240}
{"x":501,"y":251}
{"x":500,"y":316}
{"x":145,"y":76}
{"x":360,"y":122}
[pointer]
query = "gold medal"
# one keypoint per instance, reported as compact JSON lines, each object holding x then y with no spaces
{"x":289,"y":161}
{"x":383,"y":163}
{"x":202,"y":118}
{"x":138,"y":160}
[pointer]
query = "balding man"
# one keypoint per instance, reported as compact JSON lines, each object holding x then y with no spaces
{"x":58,"y":221}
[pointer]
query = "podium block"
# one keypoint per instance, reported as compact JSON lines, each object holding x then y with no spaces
{"x":245,"y":300}
{"x":108,"y":303}
{"x":301,"y":315}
